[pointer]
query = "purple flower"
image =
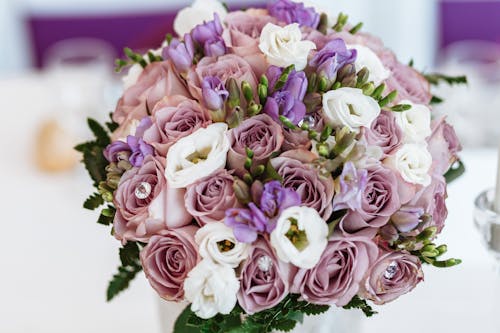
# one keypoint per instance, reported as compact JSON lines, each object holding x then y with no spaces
{"x":246,"y":223}
{"x":117,"y":151}
{"x":140,"y":150}
{"x":333,"y":56}
{"x":275,"y":198}
{"x":215,"y":47}
{"x":296,"y":83}
{"x":181,"y":54}
{"x":283,"y":103}
{"x":407,"y":218}
{"x":294,"y":12}
{"x":352,"y":185}
{"x":214,"y":92}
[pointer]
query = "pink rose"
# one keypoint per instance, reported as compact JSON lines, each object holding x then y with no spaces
{"x":242,"y":36}
{"x":443,"y":145}
{"x":224,"y":67}
{"x":167,"y":259}
{"x":146,"y":205}
{"x":410,"y":84}
{"x":174,"y":117}
{"x":158,"y":80}
{"x":264,"y":279}
{"x":261,"y":134}
{"x":379,"y":201}
{"x":337,"y":276}
{"x":384,"y":133}
{"x":392,"y":275}
{"x":208,"y":199}
{"x":295,"y":166}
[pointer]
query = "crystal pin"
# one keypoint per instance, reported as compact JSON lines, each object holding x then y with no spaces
{"x":309,"y":120}
{"x":143,"y":190}
{"x":264,"y":263}
{"x":391,"y":270}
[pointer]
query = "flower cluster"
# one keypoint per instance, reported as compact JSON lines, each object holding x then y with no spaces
{"x":269,"y":154}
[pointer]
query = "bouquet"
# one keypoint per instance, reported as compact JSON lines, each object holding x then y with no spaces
{"x":267,"y":164}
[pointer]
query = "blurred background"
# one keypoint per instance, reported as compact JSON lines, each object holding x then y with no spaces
{"x":56,"y":69}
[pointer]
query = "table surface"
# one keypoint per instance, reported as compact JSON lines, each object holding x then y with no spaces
{"x":56,"y":261}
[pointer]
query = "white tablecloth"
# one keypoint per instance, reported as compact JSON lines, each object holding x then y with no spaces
{"x":56,"y":261}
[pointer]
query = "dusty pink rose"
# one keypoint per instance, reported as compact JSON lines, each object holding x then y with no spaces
{"x":243,"y":33}
{"x":409,"y":83}
{"x":443,"y":145}
{"x":261,"y":134}
{"x":392,"y":275}
{"x":208,"y":199}
{"x":295,"y":166}
{"x":337,"y":276}
{"x":224,"y":67}
{"x":264,"y":279}
{"x":298,"y":139}
{"x":158,"y":80}
{"x":379,"y":201}
{"x":167,"y":259}
{"x":174,"y":117}
{"x":157,"y":207}
{"x":384,"y":133}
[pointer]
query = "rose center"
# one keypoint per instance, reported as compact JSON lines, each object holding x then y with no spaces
{"x":296,"y":236}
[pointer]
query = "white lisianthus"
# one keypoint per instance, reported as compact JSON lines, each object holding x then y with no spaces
{"x":283,"y":46}
{"x":413,"y":161}
{"x":196,"y":156}
{"x":415,"y":123}
{"x":300,"y":236}
{"x":216,"y":241}
{"x":367,"y":58}
{"x":349,"y":107}
{"x":200,"y":11}
{"x":211,"y":288}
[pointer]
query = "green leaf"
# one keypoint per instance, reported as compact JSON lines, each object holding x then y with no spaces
{"x":111,"y":125}
{"x":107,"y":215}
{"x":358,"y":303}
{"x":436,"y":78}
{"x":102,"y":137}
{"x":95,"y":163}
{"x":315,"y":309}
{"x":436,"y":100}
{"x":93,"y":201}
{"x":130,"y":266}
{"x":271,"y":173}
{"x":455,"y":171}
{"x":181,"y":324}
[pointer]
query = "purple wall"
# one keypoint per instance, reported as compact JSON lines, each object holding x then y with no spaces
{"x":462,"y":20}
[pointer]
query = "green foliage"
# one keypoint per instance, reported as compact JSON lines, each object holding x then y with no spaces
{"x":93,"y":201}
{"x":455,"y":171}
{"x":130,"y":266}
{"x":282,"y":317}
{"x":111,"y":125}
{"x":436,"y":79}
{"x":436,"y":100}
{"x":358,"y":303}
{"x":107,"y":215}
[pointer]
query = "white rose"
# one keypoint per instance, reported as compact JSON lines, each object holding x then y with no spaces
{"x":211,"y":288}
{"x":283,"y":46}
{"x":413,"y":162}
{"x":349,"y":107}
{"x":367,"y":58}
{"x":415,"y":123}
{"x":300,"y":236}
{"x":217,"y":242}
{"x":197,"y":155}
{"x":197,"y":13}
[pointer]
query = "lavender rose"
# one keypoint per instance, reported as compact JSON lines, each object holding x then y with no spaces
{"x":379,"y":201}
{"x":208,"y":199}
{"x":443,"y":145}
{"x":243,"y":32}
{"x":167,"y":259}
{"x":392,"y":275}
{"x":224,"y":67}
{"x":337,"y":276}
{"x":264,"y":279}
{"x":384,"y":133}
{"x":173,"y":118}
{"x":409,"y":83}
{"x":301,"y":176}
{"x":158,"y":80}
{"x":145,"y":205}
{"x":261,"y":134}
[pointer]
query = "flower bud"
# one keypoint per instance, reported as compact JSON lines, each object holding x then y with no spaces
{"x":241,"y":191}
